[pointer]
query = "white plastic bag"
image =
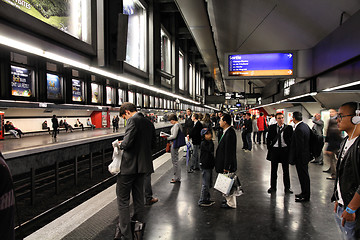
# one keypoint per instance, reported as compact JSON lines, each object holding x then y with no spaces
{"x":114,"y":167}
{"x":224,"y":183}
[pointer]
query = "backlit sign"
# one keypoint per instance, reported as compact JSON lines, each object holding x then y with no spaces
{"x":261,"y":65}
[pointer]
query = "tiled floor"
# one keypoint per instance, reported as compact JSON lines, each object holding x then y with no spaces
{"x":259,"y":215}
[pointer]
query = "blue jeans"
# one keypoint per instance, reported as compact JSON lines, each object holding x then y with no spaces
{"x":347,"y":232}
{"x":206,"y":185}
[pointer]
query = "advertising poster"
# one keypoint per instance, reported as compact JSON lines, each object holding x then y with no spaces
{"x":77,"y":90}
{"x":139,"y":99}
{"x":131,"y":97}
{"x":53,"y":86}
{"x":121,"y":96}
{"x":95,"y":93}
{"x":70,"y":16}
{"x":157,"y":102}
{"x":21,"y":82}
{"x":108,"y":95}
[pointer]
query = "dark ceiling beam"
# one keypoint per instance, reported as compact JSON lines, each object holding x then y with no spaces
{"x":168,"y":8}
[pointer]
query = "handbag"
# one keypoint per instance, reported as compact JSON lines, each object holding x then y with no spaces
{"x":114,"y":166}
{"x":168,"y":147}
{"x":224,"y":183}
{"x":180,"y":140}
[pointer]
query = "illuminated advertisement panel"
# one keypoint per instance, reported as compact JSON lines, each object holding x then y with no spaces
{"x":54,"y":89}
{"x":95,"y":93}
{"x":261,"y":65}
{"x":21,"y":82}
{"x":77,"y":90}
{"x":70,"y":16}
{"x":109,"y":94}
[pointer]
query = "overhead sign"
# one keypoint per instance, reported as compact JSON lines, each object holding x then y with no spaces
{"x":261,"y":65}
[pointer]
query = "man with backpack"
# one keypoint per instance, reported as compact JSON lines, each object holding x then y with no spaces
{"x":300,"y":156}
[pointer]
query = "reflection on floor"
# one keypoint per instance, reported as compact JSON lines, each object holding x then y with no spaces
{"x":259,"y":215}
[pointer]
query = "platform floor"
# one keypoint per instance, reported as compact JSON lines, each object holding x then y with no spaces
{"x":259,"y":215}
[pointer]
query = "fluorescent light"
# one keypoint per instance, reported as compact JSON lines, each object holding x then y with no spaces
{"x":341,"y":86}
{"x":304,"y":95}
{"x":58,"y":58}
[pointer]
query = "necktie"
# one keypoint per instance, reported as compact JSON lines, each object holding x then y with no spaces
{"x":279,"y":137}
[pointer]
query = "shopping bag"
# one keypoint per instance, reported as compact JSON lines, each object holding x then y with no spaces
{"x":114,"y":167}
{"x":168,"y":147}
{"x":224,"y":183}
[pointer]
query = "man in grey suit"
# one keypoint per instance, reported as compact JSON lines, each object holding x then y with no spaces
{"x":300,"y":156}
{"x":318,"y":128}
{"x":136,"y":161}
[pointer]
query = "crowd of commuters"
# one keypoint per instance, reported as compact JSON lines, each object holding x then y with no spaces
{"x":287,"y":144}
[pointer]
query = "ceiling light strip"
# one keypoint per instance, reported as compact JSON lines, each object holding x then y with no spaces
{"x":341,"y":86}
{"x":55,"y":57}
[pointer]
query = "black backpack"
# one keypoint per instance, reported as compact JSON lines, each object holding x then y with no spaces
{"x":316,"y":144}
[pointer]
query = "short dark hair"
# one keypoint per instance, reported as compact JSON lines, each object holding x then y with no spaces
{"x":226,"y":118}
{"x":172,"y":117}
{"x":249,"y":114}
{"x":279,"y":113}
{"x":127,"y":106}
{"x":297,"y":116}
{"x":196,"y":116}
{"x":189,"y":109}
{"x":352,"y":105}
{"x":261,"y":114}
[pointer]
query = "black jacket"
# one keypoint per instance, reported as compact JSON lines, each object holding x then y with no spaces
{"x":333,"y":136}
{"x":189,"y":124}
{"x":226,"y":152}
{"x":55,"y":123}
{"x":272,"y":138}
{"x":207,"y":160}
{"x":194,"y":133}
{"x":300,"y":145}
{"x":7,"y":202}
{"x":248,"y":126}
{"x":138,"y":142}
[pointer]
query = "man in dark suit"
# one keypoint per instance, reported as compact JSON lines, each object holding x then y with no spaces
{"x":278,"y":143}
{"x":225,"y":160}
{"x":139,"y":139}
{"x":300,"y":156}
{"x":195,"y":135}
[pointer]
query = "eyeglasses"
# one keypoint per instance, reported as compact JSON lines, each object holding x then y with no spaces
{"x":339,"y":116}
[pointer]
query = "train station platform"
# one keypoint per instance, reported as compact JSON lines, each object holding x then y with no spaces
{"x":258,"y":215}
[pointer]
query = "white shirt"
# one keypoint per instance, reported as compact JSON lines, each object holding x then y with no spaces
{"x":283,"y":144}
{"x":348,"y":144}
{"x":297,"y":124}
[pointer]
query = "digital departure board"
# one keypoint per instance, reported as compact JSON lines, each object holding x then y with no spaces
{"x":261,"y":65}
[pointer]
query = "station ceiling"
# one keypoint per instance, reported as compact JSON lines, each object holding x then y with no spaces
{"x":259,"y":26}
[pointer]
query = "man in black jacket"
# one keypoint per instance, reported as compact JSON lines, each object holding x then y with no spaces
{"x":188,"y":121}
{"x":138,"y":142}
{"x":246,"y":134}
{"x":347,"y":183}
{"x":195,"y":135}
{"x":225,"y":160}
{"x":300,"y":156}
{"x":278,"y":142}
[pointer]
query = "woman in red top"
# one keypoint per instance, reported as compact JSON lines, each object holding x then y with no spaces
{"x":263,"y":126}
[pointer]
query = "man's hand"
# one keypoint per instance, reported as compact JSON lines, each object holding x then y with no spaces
{"x":347,"y":217}
{"x":226,"y":171}
{"x":335,"y":206}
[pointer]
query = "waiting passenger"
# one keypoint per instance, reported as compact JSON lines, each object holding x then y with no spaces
{"x":115,"y":123}
{"x":207,"y":163}
{"x":346,"y":188}
{"x":9,"y":128}
{"x":262,"y":126}
{"x":90,"y":124}
{"x":255,"y":129}
{"x":79,"y":124}
{"x":55,"y":125}
{"x":246,"y":134}
{"x":300,"y":156}
{"x":196,"y":141}
{"x":44,"y":126}
{"x":68,"y":126}
{"x":138,"y":142}
{"x":175,"y":130}
{"x":318,"y":129}
{"x":278,"y":144}
{"x":225,"y":160}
